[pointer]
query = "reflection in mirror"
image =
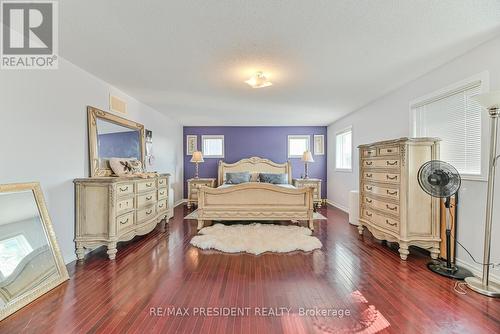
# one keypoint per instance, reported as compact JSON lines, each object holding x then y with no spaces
{"x":28,"y":263}
{"x":117,"y":141}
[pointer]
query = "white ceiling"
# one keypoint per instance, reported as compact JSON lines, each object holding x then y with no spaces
{"x":189,"y":58}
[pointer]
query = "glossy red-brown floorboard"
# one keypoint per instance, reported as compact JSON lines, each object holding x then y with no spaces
{"x":161,"y":272}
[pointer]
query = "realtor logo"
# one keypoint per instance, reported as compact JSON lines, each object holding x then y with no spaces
{"x":29,"y":35}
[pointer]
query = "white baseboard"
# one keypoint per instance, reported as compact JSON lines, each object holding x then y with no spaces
{"x":179,"y":202}
{"x":476,"y":271}
{"x":338,"y":206}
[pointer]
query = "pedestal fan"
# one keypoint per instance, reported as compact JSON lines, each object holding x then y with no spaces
{"x":442,"y":180}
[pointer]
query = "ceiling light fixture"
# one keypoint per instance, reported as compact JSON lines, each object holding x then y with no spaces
{"x":258,"y":80}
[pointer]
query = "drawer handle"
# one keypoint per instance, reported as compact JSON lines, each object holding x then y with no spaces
{"x":149,"y":185}
{"x":391,"y":163}
{"x":369,"y":214}
{"x":369,"y":188}
{"x":123,"y":189}
{"x":368,"y":200}
{"x":149,"y":212}
{"x":160,"y":206}
{"x":393,"y":209}
{"x":160,"y":182}
{"x":124,"y":221}
{"x":395,"y":177}
{"x":369,"y":175}
{"x":369,"y":163}
{"x":391,"y":224}
{"x":392,"y":193}
{"x":149,"y":198}
{"x":389,"y":150}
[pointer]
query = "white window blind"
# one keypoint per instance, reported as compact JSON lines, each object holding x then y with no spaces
{"x":343,"y":145}
{"x":456,"y":119}
{"x":213,"y":146}
{"x":297,"y":145}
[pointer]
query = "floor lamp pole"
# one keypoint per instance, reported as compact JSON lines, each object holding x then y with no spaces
{"x":483,"y":286}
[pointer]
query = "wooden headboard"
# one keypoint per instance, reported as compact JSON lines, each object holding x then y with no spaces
{"x":254,"y":165}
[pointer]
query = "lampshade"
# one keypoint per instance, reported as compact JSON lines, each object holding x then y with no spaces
{"x":488,"y":100}
{"x":307,"y":157}
{"x":259,"y":80}
{"x":197,"y":157}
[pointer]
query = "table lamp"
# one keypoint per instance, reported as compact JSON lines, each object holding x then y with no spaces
{"x":197,"y":158}
{"x":307,"y":157}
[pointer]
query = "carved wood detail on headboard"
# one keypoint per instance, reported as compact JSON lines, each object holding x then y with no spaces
{"x":254,"y":165}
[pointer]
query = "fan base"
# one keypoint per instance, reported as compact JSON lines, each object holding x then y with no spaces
{"x":439,"y":267}
{"x":490,"y":290}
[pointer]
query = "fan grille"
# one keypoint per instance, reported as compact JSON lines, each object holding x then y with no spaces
{"x":439,"y":179}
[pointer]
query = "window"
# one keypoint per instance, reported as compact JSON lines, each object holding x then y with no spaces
{"x":12,"y":251}
{"x":212,"y":146}
{"x":458,"y":121}
{"x":343,"y":148}
{"x":297,"y":145}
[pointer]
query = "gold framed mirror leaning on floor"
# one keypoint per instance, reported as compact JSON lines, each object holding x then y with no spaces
{"x":31,"y":263}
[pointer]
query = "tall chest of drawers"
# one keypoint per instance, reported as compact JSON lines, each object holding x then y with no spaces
{"x":114,"y":209}
{"x":392,"y":205}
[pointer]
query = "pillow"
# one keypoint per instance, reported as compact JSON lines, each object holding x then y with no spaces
{"x":237,"y":178}
{"x":273,"y":178}
{"x":125,"y":166}
{"x":254,"y":177}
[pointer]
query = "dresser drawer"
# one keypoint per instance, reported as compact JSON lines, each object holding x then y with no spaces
{"x":390,"y":208}
{"x":370,"y":152}
{"x":124,"y":221}
{"x":146,"y":186}
{"x":380,"y":220}
{"x":123,"y":189}
{"x":381,"y":177}
{"x":162,"y":193}
{"x":162,"y":182}
{"x":146,"y":214}
{"x":146,"y":199}
{"x":381,"y":191}
{"x":381,"y":163}
{"x":394,"y":150}
{"x":123,"y":205}
{"x":161,"y":206}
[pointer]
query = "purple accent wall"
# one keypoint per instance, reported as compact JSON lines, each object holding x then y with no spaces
{"x":269,"y":142}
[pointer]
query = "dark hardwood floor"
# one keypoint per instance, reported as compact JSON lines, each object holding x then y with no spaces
{"x":356,"y":275}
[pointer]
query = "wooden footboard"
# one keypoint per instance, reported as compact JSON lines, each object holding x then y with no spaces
{"x":255,"y":201}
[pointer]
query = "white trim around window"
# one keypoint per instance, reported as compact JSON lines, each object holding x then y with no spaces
{"x":343,"y":150}
{"x":466,"y":111}
{"x":205,"y":150}
{"x":305,"y":147}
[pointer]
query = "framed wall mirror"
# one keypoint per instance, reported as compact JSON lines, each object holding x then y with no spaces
{"x":111,"y":136}
{"x":30,"y":260}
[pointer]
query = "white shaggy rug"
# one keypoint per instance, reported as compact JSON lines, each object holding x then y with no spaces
{"x":256,"y":238}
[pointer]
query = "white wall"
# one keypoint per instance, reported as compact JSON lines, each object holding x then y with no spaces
{"x":388,"y":118}
{"x":43,"y":136}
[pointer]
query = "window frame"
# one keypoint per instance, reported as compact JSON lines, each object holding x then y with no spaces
{"x":308,"y":148}
{"x":203,"y":137}
{"x":483,"y":80}
{"x":340,"y":132}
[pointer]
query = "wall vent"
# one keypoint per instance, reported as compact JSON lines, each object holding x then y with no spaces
{"x":117,"y":105}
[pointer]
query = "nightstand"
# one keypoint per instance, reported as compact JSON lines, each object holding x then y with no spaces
{"x":194,"y":185}
{"x":313,"y":183}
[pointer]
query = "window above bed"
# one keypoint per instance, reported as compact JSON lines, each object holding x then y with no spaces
{"x":297,"y":145}
{"x":212,"y":146}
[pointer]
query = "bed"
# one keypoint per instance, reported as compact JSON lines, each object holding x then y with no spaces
{"x":255,"y":201}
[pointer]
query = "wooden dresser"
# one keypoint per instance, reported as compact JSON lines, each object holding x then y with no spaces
{"x":114,"y":209}
{"x":312,"y":183}
{"x":392,"y":205}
